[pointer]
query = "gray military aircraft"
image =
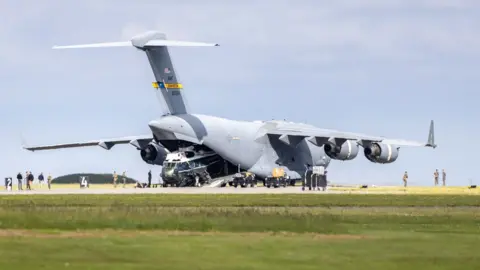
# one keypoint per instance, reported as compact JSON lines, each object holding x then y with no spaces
{"x":257,"y":146}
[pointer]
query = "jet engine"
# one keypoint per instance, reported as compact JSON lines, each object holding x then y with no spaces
{"x":381,"y":153}
{"x":153,"y":154}
{"x":347,"y":151}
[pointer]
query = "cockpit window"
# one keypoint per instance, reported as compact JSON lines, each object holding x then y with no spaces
{"x":183,"y":166}
{"x":168,"y":165}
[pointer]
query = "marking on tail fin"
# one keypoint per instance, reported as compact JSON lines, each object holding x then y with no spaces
{"x":163,"y":85}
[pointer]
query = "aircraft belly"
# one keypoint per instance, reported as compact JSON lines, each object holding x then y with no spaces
{"x":293,"y":160}
{"x":234,"y":142}
{"x":236,"y":151}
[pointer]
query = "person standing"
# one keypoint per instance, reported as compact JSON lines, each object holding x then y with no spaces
{"x":444,"y":177}
{"x":435,"y":176}
{"x":124,"y":179}
{"x":26,"y":179}
{"x":49,"y":181}
{"x":115,"y":178}
{"x":30,"y":179}
{"x":149,"y":178}
{"x":40,"y":179}
{"x":405,"y":179}
{"x":19,"y":181}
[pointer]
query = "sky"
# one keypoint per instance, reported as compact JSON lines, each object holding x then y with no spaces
{"x":372,"y":66}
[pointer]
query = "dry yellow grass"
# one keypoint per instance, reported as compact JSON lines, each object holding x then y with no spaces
{"x":36,"y":186}
{"x":386,"y":189}
{"x":412,"y":190}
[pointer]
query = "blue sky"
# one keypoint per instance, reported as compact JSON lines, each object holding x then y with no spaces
{"x":371,"y":66}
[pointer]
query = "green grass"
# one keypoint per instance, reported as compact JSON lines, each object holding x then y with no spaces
{"x":239,"y":200}
{"x":158,"y":250}
{"x":239,"y":232}
{"x":243,"y":219}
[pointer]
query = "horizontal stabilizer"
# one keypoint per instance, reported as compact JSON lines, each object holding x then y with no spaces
{"x":174,"y":43}
{"x":96,"y":45}
{"x":151,"y":43}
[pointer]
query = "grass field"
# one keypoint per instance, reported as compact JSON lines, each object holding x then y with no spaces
{"x":134,"y":201}
{"x":257,"y":231}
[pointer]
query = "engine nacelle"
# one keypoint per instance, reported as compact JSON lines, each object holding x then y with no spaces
{"x":153,"y":154}
{"x":347,"y":151}
{"x":381,"y":153}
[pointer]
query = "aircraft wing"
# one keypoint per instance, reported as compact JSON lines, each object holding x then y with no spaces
{"x":317,"y":136}
{"x":137,"y":141}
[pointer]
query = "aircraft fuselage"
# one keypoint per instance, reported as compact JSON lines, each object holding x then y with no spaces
{"x":242,"y":143}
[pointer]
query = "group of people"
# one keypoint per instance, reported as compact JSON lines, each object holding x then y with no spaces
{"x":149,"y":183}
{"x":115,"y":178}
{"x":435,"y":177}
{"x":29,"y":177}
{"x":444,"y":177}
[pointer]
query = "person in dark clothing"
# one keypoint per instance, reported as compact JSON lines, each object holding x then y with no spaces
{"x":19,"y":181}
{"x":149,"y":178}
{"x":40,"y":179}
{"x":29,"y":181}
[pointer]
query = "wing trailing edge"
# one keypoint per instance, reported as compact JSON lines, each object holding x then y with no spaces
{"x":107,"y":144}
{"x":319,"y":137}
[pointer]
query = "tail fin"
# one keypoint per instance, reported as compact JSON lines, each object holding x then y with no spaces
{"x":431,"y":135}
{"x":168,"y":87}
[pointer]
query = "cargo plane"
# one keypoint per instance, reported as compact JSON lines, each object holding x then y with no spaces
{"x":255,"y":146}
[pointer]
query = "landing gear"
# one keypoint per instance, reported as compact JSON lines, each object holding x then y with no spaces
{"x":278,"y":178}
{"x":243,"y":179}
{"x":315,"y":179}
{"x":276,"y":182}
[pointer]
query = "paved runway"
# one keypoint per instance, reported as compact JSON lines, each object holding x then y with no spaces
{"x":186,"y":190}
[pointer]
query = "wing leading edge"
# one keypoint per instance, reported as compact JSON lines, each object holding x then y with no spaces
{"x":137,"y":141}
{"x":319,"y":137}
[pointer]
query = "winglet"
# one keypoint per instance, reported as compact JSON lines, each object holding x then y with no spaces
{"x":24,"y":143}
{"x":431,"y":136}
